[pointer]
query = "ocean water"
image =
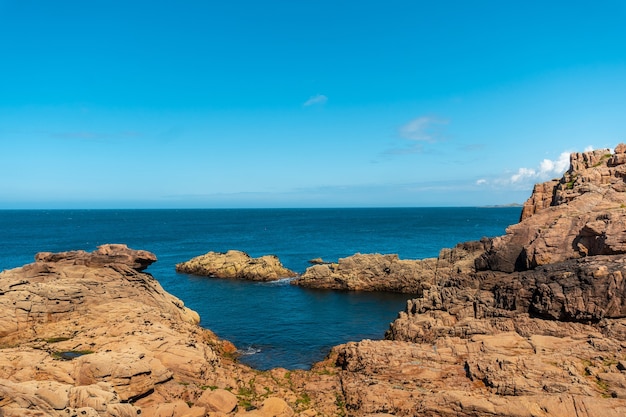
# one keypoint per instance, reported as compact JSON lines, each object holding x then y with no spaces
{"x":272,"y":324}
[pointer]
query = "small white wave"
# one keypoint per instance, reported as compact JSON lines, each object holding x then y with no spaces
{"x":279,"y":282}
{"x":250,"y":350}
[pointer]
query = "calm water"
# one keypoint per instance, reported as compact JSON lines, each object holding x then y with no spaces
{"x":274,"y":324}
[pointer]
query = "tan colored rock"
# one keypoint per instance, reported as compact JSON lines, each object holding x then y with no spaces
{"x":174,"y":409}
{"x":219,"y":400}
{"x":123,"y":335}
{"x":104,"y":255}
{"x":236,"y":265}
{"x":376,"y":272}
{"x":276,"y":407}
{"x":271,"y":407}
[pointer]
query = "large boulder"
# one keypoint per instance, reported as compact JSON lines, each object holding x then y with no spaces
{"x":236,"y":265}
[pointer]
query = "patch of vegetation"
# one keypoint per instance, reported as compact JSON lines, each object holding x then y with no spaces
{"x":57,"y":339}
{"x":609,"y":362}
{"x":248,"y":396}
{"x":326,"y":371}
{"x":570,"y":184}
{"x":304,"y":399}
{"x":208,"y":387}
{"x":340,"y":404}
{"x":601,"y":161}
{"x":602,"y":385}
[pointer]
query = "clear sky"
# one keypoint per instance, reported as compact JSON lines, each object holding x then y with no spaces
{"x":302,"y":103}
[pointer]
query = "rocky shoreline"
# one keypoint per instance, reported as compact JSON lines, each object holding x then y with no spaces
{"x":532,"y":323}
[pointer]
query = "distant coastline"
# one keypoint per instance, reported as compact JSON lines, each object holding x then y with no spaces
{"x":505,"y":205}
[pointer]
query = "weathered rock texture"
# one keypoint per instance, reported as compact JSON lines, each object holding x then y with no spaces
{"x":582,"y":214}
{"x":86,"y":334}
{"x":535,"y":325}
{"x":237,"y":265}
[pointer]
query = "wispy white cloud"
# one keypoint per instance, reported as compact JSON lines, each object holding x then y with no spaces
{"x":424,"y":128}
{"x":318,"y":99}
{"x":481,"y":181}
{"x":416,"y":133}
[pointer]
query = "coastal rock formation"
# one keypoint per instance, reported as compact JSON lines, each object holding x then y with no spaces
{"x":236,"y":265}
{"x":536,"y":327}
{"x":376,"y":272}
{"x":586,"y":216}
{"x":89,"y":334}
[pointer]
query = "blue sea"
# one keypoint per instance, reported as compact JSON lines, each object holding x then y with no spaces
{"x":272,"y":324}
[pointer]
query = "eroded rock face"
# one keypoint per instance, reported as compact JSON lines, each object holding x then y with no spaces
{"x":501,"y":374}
{"x":582,"y":214}
{"x":236,"y":265}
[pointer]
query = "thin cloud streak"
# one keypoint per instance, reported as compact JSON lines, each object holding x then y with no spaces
{"x":423,"y":129}
{"x":416,"y":133}
{"x":318,"y":99}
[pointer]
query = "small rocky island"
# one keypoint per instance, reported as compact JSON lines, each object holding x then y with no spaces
{"x":531,"y":323}
{"x":235,"y":264}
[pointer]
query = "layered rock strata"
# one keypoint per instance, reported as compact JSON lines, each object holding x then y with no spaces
{"x":236,"y":265}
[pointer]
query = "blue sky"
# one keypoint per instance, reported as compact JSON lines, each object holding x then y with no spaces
{"x":111,"y":104}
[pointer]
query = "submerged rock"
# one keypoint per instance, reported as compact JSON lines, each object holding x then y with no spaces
{"x":236,"y":265}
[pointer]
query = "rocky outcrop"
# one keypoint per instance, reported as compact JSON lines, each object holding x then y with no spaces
{"x":376,"y":272}
{"x":104,"y":255}
{"x":586,"y":216}
{"x":89,"y":334}
{"x":236,"y":265}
